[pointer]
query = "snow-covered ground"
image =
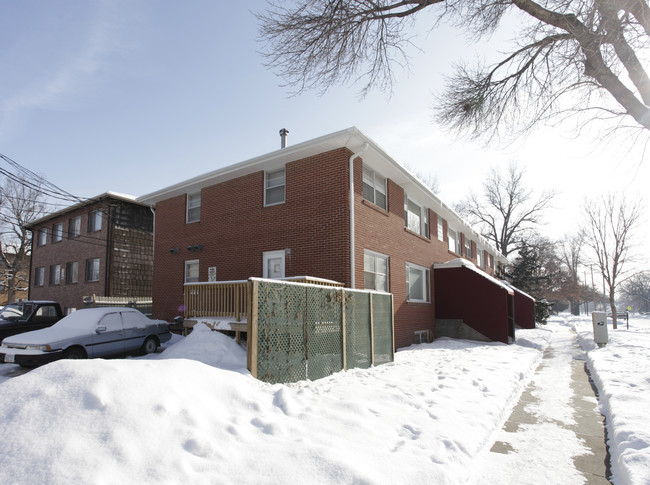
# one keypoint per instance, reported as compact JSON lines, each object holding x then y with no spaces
{"x":193,"y":414}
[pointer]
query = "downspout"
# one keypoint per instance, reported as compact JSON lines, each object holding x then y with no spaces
{"x":109,"y":244}
{"x":31,"y":261}
{"x":352,"y":258}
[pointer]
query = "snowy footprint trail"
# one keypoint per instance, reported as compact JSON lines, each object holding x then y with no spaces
{"x":555,"y":433}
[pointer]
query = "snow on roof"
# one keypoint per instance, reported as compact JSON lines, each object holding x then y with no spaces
{"x":464,"y":263}
{"x":98,"y":198}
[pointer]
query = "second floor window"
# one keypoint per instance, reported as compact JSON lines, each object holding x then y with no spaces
{"x":374,"y":188}
{"x":441,"y":230}
{"x":468,"y":248}
{"x":57,"y":232}
{"x":41,"y":238}
{"x":451,"y":235}
{"x":193,"y":207}
{"x":480,"y":260}
{"x":274,"y":187}
{"x":74,"y":229}
{"x":95,"y":221}
{"x":416,"y":218}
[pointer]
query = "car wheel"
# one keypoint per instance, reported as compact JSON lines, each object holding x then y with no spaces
{"x":150,"y":345}
{"x":74,"y":353}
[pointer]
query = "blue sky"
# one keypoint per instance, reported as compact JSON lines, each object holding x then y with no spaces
{"x":135,"y":95}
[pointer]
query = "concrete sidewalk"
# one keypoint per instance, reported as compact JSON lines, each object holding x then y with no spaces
{"x":555,"y":434}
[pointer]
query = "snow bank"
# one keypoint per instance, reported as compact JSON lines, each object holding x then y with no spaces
{"x":171,"y":419}
{"x":621,"y":371}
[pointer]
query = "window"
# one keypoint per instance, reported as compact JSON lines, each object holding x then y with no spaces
{"x":95,"y":221}
{"x":480,"y":260}
{"x":55,"y":274}
{"x":41,"y":238}
{"x":374,"y":188}
{"x":421,"y":337}
{"x":274,"y":263}
{"x":375,"y":271}
{"x":92,"y":269}
{"x":416,"y":218}
{"x":274,"y":183}
{"x":192,"y":271}
{"x":57,"y":232}
{"x":453,"y":244}
{"x":72,"y":272}
{"x":193,"y":208}
{"x":441,"y":230}
{"x":468,"y":248}
{"x":417,"y":283}
{"x":39,"y":276}
{"x":74,"y":227}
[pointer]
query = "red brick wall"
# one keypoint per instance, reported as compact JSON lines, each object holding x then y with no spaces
{"x":86,"y":246}
{"x":385,"y":232}
{"x":235,"y":229}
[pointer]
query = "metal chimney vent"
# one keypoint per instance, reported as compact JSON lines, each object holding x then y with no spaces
{"x":284,"y":133}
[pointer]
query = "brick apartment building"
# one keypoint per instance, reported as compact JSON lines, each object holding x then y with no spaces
{"x":288,"y":213}
{"x":102,"y":246}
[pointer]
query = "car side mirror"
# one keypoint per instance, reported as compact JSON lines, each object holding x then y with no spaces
{"x":100,"y":329}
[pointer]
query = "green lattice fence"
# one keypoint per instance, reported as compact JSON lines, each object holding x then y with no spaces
{"x":302,"y":331}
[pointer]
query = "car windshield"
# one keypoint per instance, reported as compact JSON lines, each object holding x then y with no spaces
{"x":16,"y":311}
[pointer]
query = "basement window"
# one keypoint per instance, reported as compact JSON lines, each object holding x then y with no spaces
{"x":421,"y":337}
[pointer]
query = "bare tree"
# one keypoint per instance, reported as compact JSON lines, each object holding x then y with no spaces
{"x":611,"y":222}
{"x":20,"y":204}
{"x":507,"y":212}
{"x":637,"y":290}
{"x":570,"y":254}
{"x":569,"y":56}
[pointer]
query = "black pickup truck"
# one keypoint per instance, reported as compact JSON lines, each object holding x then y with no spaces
{"x":26,"y":316}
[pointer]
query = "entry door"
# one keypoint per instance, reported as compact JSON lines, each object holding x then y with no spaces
{"x":273,"y":264}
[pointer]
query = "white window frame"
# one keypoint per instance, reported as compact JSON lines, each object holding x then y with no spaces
{"x":189,"y":264}
{"x":272,"y":183}
{"x":468,"y":247}
{"x":376,"y":183}
{"x":421,"y":225}
{"x":421,"y":337}
{"x":57,"y":232}
{"x":426,"y":282}
{"x":193,"y":209}
{"x":452,"y":240}
{"x":374,"y":271}
{"x":267,"y":255}
{"x":441,"y":229}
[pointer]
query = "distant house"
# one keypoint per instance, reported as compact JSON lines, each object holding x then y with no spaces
{"x":102,"y":246}
{"x":297,"y":212}
{"x":20,"y":280}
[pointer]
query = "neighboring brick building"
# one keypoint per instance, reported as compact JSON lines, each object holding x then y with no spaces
{"x":288,"y":213}
{"x":102,"y":246}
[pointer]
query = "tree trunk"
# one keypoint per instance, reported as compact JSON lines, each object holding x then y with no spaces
{"x":612,"y":305}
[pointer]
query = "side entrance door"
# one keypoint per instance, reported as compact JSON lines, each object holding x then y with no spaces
{"x":273,"y":264}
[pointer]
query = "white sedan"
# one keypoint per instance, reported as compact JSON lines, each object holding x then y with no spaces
{"x":91,"y":332}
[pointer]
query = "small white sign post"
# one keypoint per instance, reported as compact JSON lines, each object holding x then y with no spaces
{"x":600,"y":328}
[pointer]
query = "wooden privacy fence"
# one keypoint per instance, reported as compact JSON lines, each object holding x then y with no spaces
{"x":303,"y":331}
